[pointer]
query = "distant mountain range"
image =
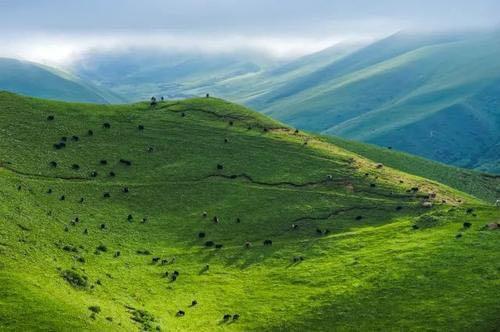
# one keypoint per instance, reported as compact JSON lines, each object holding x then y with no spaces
{"x":37,"y":80}
{"x":433,"y":95}
{"x":436,"y":96}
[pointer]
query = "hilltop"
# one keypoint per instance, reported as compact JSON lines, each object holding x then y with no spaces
{"x":118,"y":217}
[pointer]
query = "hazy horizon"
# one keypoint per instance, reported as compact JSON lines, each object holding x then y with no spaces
{"x":57,"y":32}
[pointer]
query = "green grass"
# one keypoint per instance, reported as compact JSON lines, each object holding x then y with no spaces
{"x":376,"y":273}
{"x":484,"y":186}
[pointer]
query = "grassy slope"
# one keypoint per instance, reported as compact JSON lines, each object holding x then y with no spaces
{"x":481,"y":185}
{"x":428,"y":86}
{"x":32,"y":79}
{"x":374,"y":273}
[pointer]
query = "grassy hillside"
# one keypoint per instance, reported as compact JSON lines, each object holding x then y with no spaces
{"x":79,"y":244}
{"x":32,"y":79}
{"x":485,"y":186}
{"x":436,"y":97}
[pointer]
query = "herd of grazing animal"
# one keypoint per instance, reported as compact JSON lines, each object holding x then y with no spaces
{"x":173,"y":276}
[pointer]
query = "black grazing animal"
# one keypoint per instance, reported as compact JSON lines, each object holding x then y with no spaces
{"x":216,"y":220}
{"x":164,"y":261}
{"x":359,"y":217}
{"x":140,"y":127}
{"x":248,"y":245}
{"x":126,"y":162}
{"x":103,"y":226}
{"x":373,"y":185}
{"x":90,"y":132}
{"x":103,"y":162}
{"x":153,"y":101}
{"x":319,"y":231}
{"x":130,"y":217}
{"x":399,"y":208}
{"x":209,"y":244}
{"x":220,"y":167}
{"x":117,"y":254}
{"x":62,"y":198}
{"x":150,"y":149}
{"x":50,"y":118}
{"x":81,"y":200}
{"x":143,"y":221}
{"x":268,"y":242}
{"x":125,"y":190}
{"x":205,"y":214}
{"x":218,"y":246}
{"x":75,"y":167}
{"x":467,"y":224}
{"x":295,"y":226}
{"x":75,"y":138}
{"x":238,"y":220}
{"x":183,"y":114}
{"x":155,"y":260}
{"x":174,"y":277}
{"x":106,"y":195}
{"x":297,"y":259}
{"x":112,"y":174}
{"x":207,"y":95}
{"x":296,"y":131}
{"x":53,"y":164}
{"x":193,"y":303}
{"x":180,"y":313}
{"x":201,"y":235}
{"x":470,"y":210}
{"x":226,"y":140}
{"x":49,"y":191}
{"x":85,"y":231}
{"x":60,"y":145}
{"x":236,"y":317}
{"x":106,"y":125}
{"x":226,"y":317}
{"x":64,"y":138}
{"x":93,"y":174}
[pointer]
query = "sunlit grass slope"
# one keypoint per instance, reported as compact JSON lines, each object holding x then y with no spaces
{"x":89,"y":230}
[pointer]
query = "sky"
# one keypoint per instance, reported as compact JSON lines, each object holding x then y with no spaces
{"x":58,"y":31}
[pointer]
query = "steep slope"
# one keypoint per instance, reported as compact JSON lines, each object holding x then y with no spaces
{"x":434,"y":97}
{"x":82,"y":248}
{"x":32,"y":79}
{"x":248,"y":87}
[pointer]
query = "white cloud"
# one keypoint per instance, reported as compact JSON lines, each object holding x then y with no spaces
{"x":62,"y":49}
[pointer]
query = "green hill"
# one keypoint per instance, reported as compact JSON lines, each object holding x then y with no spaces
{"x":434,"y":96}
{"x":90,"y":228}
{"x":36,"y":80}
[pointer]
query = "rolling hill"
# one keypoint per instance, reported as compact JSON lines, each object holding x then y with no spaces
{"x":200,"y":214}
{"x":36,"y":80}
{"x":431,"y":95}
